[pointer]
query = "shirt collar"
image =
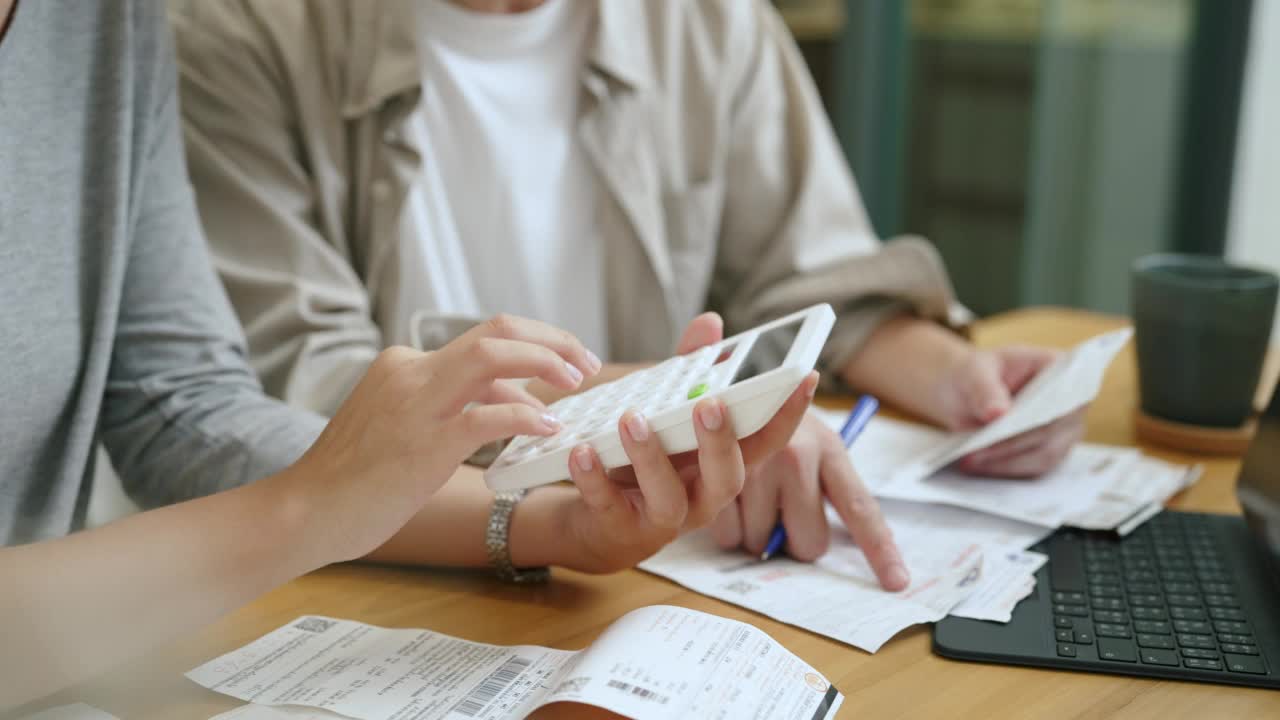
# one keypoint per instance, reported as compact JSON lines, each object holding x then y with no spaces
{"x":383,"y":58}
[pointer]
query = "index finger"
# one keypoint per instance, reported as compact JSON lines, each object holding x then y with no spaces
{"x":861,"y":514}
{"x":562,"y":342}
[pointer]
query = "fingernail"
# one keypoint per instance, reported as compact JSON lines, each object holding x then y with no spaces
{"x":637,"y":428}
{"x":582,"y":457}
{"x":551,"y":422}
{"x":813,"y":388}
{"x":897,"y":577}
{"x":574,"y":372}
{"x":594,"y":361}
{"x":710,"y":415}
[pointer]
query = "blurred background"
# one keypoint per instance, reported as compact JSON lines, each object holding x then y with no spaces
{"x":1044,"y":144}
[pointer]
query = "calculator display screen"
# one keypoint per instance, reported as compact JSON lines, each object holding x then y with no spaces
{"x":769,"y":351}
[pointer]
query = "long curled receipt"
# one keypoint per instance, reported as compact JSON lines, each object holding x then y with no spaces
{"x":656,"y":662}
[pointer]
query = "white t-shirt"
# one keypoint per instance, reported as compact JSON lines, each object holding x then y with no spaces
{"x":505,"y":205}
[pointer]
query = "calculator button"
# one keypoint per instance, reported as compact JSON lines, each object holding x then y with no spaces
{"x":1066,"y":650}
{"x":1199,"y":664}
{"x":1200,"y":653}
{"x":698,"y":390}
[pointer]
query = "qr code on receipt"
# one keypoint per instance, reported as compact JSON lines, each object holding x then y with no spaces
{"x":314,"y":624}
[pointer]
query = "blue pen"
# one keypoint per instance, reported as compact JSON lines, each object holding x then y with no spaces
{"x":853,"y":426}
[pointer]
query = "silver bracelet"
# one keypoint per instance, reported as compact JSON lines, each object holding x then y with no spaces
{"x":497,"y":541}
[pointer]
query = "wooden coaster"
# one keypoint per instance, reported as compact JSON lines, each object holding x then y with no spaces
{"x":1194,"y":438}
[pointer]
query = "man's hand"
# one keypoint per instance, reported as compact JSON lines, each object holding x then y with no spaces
{"x":981,"y":388}
{"x":794,"y":483}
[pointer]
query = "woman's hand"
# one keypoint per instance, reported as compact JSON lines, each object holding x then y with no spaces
{"x":616,"y":519}
{"x":409,"y":424}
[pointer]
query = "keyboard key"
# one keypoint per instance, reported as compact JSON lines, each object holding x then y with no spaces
{"x":1155,"y":641}
{"x":1200,"y":664}
{"x":1183,"y":599}
{"x":1085,"y":637}
{"x":1198,"y":627}
{"x":1229,"y":601}
{"x":1105,"y":591}
{"x":1109,"y":616}
{"x":1062,"y":622}
{"x":1107,"y":578}
{"x":1231,"y":626}
{"x":1151,"y":626}
{"x":1066,"y":563}
{"x":1199,"y":653}
{"x":1204,"y":642}
{"x":1179,"y":587}
{"x":1143,"y":587}
{"x":1211,"y":576}
{"x":1068,"y":597}
{"x":1245,"y":664}
{"x":1239,"y":649}
{"x":1066,"y":650}
{"x":1116,"y":650}
{"x":1138,"y":576}
{"x":1186,"y":613}
{"x":1221,"y":613}
{"x":1218,"y":589}
{"x":1064,"y":635}
{"x":1146,"y":600}
{"x":1146,"y":613}
{"x":1111,"y":630}
{"x":1176,"y":576}
{"x":1108,"y":604}
{"x":1236,"y":638}
{"x":1073,"y":610}
{"x":1152,"y":656}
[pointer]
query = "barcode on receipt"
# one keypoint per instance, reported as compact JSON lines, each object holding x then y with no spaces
{"x":486,"y":691}
{"x":639,"y":692}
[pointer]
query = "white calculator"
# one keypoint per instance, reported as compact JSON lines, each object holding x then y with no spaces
{"x":753,"y":373}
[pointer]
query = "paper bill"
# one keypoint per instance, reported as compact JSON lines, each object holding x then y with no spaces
{"x":76,"y":711}
{"x":1068,"y":384}
{"x":1067,"y":491}
{"x":1135,"y":495}
{"x":656,"y":662}
{"x":1008,"y":577}
{"x":838,"y":595}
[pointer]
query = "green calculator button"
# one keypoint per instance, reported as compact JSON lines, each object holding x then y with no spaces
{"x":697,"y":390}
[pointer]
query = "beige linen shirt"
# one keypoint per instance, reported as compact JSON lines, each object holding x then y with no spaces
{"x":722,"y":185}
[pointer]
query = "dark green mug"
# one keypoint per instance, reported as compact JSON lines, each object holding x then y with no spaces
{"x":1203,"y":326}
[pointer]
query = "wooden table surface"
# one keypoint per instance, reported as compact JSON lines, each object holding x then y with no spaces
{"x":903,"y":680}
